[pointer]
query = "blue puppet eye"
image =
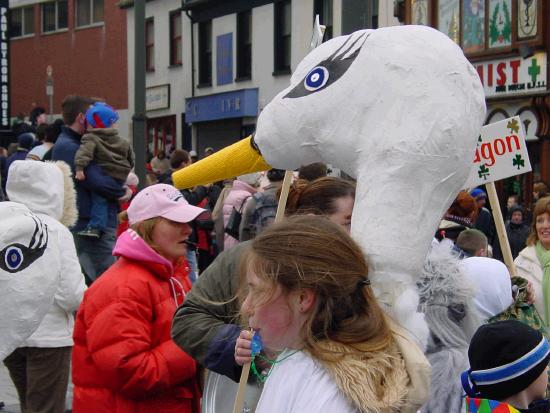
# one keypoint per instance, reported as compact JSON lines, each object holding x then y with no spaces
{"x":13,"y":258}
{"x":316,"y":78}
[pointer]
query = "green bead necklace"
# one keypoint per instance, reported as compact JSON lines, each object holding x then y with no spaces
{"x":262,"y":377}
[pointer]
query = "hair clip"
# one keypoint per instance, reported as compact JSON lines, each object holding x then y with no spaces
{"x":363,"y":282}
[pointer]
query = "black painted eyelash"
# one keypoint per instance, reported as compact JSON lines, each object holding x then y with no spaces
{"x":328,"y":71}
{"x":354,"y":54}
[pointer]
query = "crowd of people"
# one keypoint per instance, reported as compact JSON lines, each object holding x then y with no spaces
{"x":166,"y":282}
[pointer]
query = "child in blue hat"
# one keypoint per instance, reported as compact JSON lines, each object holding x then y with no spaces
{"x":508,"y":369}
{"x":112,"y":153}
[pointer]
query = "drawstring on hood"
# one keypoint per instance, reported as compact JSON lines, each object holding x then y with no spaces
{"x":173,"y":282}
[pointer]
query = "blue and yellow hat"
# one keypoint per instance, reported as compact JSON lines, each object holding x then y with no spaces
{"x":505,"y":358}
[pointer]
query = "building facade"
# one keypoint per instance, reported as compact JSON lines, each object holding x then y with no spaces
{"x":236,"y":56}
{"x":63,"y":47}
{"x":508,"y":42}
{"x":168,"y":73}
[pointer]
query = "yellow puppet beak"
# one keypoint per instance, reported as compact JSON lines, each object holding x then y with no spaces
{"x":238,"y":159}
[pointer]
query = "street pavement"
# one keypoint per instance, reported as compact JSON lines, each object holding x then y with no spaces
{"x":8,"y":394}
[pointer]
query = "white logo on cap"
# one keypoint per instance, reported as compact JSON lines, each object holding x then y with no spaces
{"x":175,"y":196}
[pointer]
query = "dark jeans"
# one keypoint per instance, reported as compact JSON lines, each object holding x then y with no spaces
{"x":98,"y":212}
{"x":41,"y":377}
{"x":95,"y":255}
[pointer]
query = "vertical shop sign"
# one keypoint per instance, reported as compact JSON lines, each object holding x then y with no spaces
{"x":4,"y":66}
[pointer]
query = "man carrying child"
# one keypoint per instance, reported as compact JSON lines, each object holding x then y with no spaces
{"x":95,"y":255}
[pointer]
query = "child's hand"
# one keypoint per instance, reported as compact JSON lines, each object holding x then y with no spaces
{"x":127,"y":195}
{"x":79,"y":176}
{"x":243,"y":351}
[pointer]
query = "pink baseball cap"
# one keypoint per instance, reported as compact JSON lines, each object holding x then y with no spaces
{"x":161,"y":200}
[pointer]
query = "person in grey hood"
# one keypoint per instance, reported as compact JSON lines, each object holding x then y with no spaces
{"x":39,"y":367}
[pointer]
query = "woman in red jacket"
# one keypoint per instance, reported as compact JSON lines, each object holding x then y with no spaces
{"x":124,"y":360}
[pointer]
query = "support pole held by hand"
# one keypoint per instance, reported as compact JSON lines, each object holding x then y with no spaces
{"x":239,"y":399}
{"x":501,"y":229}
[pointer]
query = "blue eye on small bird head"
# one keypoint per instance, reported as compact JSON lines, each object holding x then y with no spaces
{"x":316,"y":78}
{"x":13,"y":258}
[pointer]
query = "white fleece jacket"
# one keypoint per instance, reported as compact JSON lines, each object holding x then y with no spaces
{"x":47,"y":190}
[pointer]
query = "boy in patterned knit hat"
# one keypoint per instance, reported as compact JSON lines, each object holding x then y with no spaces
{"x":508,"y":369}
{"x":112,"y":153}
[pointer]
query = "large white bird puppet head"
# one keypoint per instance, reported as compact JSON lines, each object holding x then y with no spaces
{"x":400,"y":109}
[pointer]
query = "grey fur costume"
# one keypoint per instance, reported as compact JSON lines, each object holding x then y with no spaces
{"x":446,"y":299}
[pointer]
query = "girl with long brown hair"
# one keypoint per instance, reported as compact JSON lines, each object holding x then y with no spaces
{"x":307,"y":294}
{"x":208,"y":331}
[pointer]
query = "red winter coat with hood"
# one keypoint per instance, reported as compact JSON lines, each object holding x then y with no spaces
{"x":124,"y":360}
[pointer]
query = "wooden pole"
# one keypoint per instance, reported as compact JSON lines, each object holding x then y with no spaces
{"x":501,"y":229}
{"x":239,"y":399}
{"x":285,"y":188}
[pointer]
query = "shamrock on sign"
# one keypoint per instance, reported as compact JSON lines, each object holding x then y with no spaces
{"x":518,"y":161}
{"x":483,"y":171}
{"x":513,"y":125}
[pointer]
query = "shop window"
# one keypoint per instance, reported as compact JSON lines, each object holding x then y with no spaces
{"x":161,"y":135}
{"x":175,"y":38}
{"x":150,"y":45}
{"x":283,"y":38}
{"x":54,"y":16}
{"x":22,"y":22}
{"x":358,"y":15}
{"x":205,"y":53}
{"x":244,"y":45}
{"x":323,"y":8}
{"x":88,"y":12}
